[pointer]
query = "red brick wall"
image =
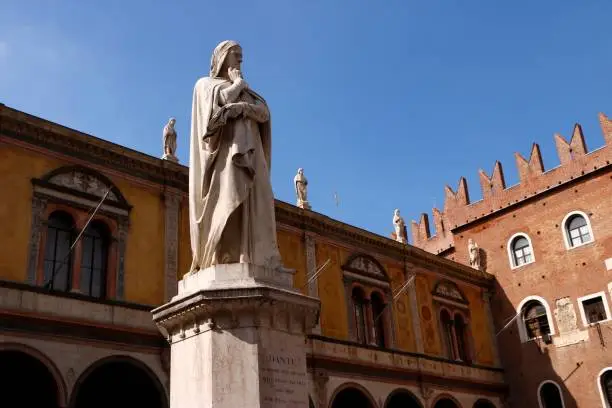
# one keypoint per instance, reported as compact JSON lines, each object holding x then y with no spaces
{"x":537,"y":206}
{"x":556,"y":273}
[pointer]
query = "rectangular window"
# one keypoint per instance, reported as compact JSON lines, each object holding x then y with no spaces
{"x":594,"y":308}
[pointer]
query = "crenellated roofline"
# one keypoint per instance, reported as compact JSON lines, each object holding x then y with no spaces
{"x":576,"y":163}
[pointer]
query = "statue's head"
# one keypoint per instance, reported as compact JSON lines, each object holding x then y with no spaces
{"x":171,"y":122}
{"x":228,"y":54}
{"x":470,"y":242}
{"x":300,"y":171}
{"x":396,"y":212}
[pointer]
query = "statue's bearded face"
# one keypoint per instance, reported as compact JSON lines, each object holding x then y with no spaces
{"x":233,"y":58}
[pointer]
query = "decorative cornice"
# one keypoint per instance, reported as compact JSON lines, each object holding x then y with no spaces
{"x":376,"y":244}
{"x":342,"y":358}
{"x":30,"y":129}
{"x":40,"y":132}
{"x":81,"y":330}
{"x":219,"y":309}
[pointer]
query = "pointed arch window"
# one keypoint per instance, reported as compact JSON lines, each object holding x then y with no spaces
{"x":94,"y":260}
{"x":62,"y":203}
{"x":57,"y":256}
{"x":367,"y":290}
{"x":453,"y":313}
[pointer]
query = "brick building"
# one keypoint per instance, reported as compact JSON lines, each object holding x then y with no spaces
{"x":548,"y":241}
{"x":76,"y":328}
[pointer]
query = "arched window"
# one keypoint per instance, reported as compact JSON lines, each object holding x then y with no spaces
{"x":521,"y":252}
{"x":58,"y":258}
{"x":378,"y":308}
{"x":359,"y":312}
{"x":94,"y":260}
{"x":447,"y":333}
{"x":461,"y":336}
{"x":605,"y":382}
{"x":577,"y":230}
{"x":535,"y":319}
{"x":550,"y":395}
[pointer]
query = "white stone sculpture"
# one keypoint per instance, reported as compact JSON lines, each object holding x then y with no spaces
{"x":169,"y":140}
{"x":301,"y":189}
{"x":231,"y":204}
{"x":237,"y":310}
{"x":401,"y":235}
{"x":474,"y":252}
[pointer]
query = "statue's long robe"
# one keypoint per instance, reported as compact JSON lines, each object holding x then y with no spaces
{"x":231,"y":204}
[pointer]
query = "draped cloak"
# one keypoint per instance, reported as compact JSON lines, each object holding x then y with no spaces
{"x":231,"y":204}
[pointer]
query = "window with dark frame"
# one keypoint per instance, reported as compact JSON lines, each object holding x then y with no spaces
{"x":58,"y":258}
{"x":535,"y":319}
{"x":577,"y":230}
{"x":521,"y":251}
{"x":594,"y":309}
{"x":447,"y":333}
{"x":378,"y":308}
{"x":94,"y":260}
{"x":359,"y":311}
{"x":461,"y":334}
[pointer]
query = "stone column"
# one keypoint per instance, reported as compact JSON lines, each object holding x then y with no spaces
{"x":172,"y":204}
{"x":237,"y":335}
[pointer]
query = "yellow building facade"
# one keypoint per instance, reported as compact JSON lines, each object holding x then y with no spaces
{"x":77,"y":317}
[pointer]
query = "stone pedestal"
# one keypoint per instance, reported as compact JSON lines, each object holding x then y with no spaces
{"x":170,"y":157}
{"x":237,"y":335}
{"x":304,"y":204}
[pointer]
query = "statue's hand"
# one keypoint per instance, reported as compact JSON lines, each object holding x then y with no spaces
{"x":236,"y":109}
{"x":234,"y":74}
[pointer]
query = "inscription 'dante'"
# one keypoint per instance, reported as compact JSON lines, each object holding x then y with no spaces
{"x":284,"y":381}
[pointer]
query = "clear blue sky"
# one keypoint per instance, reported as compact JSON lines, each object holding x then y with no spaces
{"x":383,"y":102}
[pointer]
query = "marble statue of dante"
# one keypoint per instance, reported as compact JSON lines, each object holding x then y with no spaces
{"x":231,"y":204}
{"x":169,"y":139}
{"x":401,"y":235}
{"x":474,"y":254}
{"x":301,"y":189}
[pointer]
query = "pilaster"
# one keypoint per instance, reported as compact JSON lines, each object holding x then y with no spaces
{"x":415,"y":317}
{"x":311,"y":269}
{"x":486,"y":297}
{"x":172,"y":207}
{"x":38,"y":209}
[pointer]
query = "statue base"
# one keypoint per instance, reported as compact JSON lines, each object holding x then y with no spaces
{"x":170,"y":157}
{"x":305,"y":205}
{"x":237,"y":338}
